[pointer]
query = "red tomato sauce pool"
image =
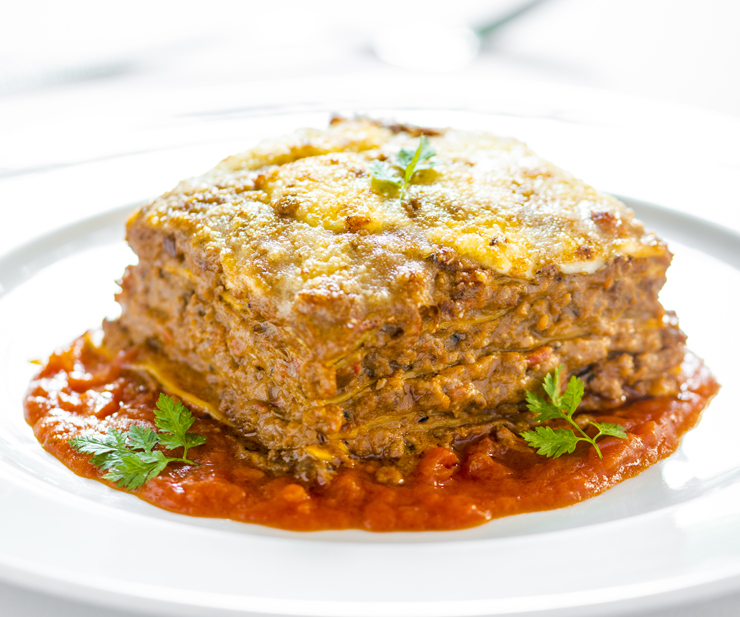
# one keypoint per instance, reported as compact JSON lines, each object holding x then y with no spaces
{"x":80,"y":390}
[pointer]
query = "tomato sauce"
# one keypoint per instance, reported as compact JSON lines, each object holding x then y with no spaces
{"x":80,"y":389}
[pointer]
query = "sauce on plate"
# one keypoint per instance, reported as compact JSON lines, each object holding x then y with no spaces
{"x":81,"y":389}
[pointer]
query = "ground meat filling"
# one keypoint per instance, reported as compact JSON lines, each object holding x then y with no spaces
{"x":397,"y":394}
{"x":325,"y":321}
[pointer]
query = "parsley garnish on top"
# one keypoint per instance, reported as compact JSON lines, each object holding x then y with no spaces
{"x":129,"y":457}
{"x":402,"y":167}
{"x":555,"y":442}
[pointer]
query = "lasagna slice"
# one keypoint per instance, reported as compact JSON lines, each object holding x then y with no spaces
{"x":327,"y":320}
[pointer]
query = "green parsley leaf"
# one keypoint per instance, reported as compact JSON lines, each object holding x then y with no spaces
{"x":551,"y":385}
{"x":107,"y":449}
{"x":186,"y":441}
{"x":572,"y":396}
{"x":408,"y":162}
{"x":113,"y":441}
{"x":174,"y":419}
{"x":142,"y":438}
{"x":420,"y":160}
{"x":555,"y":442}
{"x":172,"y":416}
{"x":551,"y":442}
{"x":403,"y":158}
{"x":129,"y":457}
{"x":546,"y":411}
{"x":137,"y":468}
{"x":425,"y":155}
{"x":384,"y":172}
{"x":613,"y":430}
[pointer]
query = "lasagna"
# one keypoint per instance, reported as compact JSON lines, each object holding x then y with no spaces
{"x":327,"y":321}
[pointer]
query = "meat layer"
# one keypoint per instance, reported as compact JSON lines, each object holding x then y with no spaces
{"x":399,"y":393}
{"x":324,"y":343}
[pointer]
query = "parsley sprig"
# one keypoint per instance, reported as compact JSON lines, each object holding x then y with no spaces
{"x":555,"y":442}
{"x":402,"y":167}
{"x":129,"y":457}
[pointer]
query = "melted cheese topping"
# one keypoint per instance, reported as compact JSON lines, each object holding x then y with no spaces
{"x":302,"y":216}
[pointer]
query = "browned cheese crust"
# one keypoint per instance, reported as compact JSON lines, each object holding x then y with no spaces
{"x":327,"y":320}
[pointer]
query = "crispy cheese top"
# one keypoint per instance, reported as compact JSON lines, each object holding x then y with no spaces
{"x":301,"y":216}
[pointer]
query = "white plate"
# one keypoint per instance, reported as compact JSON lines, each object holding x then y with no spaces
{"x":666,"y":536}
{"x":669,"y":534}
